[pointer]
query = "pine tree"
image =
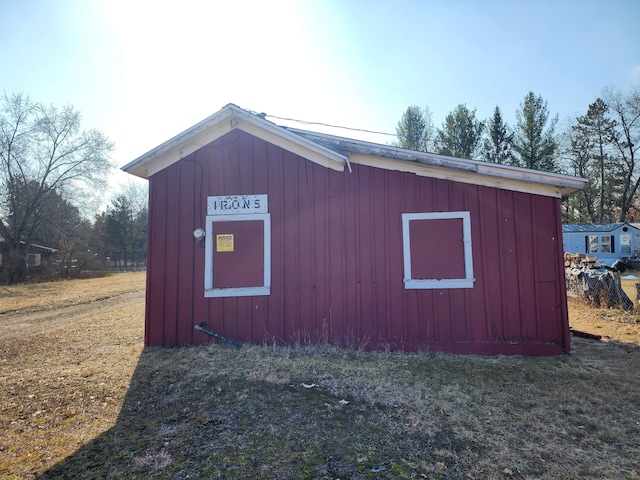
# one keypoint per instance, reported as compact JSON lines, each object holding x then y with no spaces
{"x":497,"y":146}
{"x":415,"y":129}
{"x":535,"y":143}
{"x":592,"y":139}
{"x":460,"y":134}
{"x":125,"y":227}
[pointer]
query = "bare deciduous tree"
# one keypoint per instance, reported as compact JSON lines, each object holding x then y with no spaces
{"x":43,"y":152}
{"x":625,"y":110}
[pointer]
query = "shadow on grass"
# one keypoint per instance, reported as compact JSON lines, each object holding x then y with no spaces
{"x":191,"y":413}
{"x":218,"y":412}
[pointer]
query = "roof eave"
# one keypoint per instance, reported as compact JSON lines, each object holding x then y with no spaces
{"x":213,"y":127}
{"x":557,"y":183}
{"x":566,"y":184}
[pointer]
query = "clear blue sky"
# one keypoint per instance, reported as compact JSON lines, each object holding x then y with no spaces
{"x":143,"y":71}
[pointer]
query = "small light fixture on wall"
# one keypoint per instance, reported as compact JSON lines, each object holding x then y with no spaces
{"x":198,"y":234}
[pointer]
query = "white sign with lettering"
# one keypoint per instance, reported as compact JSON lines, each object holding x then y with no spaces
{"x":237,"y":204}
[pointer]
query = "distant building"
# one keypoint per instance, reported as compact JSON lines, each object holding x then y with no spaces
{"x":606,"y":241}
{"x":35,"y":254}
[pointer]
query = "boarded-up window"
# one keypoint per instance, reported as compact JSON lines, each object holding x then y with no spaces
{"x":437,"y":250}
{"x":238,"y":255}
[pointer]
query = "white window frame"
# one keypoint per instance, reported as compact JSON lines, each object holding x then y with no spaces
{"x":434,"y":283}
{"x":625,"y":243}
{"x":265,"y":289}
{"x":33,"y":260}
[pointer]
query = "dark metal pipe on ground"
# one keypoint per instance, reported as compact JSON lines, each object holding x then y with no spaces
{"x":200,"y":328}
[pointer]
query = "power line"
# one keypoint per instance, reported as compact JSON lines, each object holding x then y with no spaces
{"x":305,"y":122}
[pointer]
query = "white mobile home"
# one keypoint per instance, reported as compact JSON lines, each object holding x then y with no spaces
{"x":607,"y":241}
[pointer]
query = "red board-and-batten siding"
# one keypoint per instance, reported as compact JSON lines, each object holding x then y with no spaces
{"x":337,"y":258}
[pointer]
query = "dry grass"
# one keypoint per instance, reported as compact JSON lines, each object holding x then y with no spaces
{"x":67,"y":354}
{"x":50,"y":295}
{"x":82,"y":400}
{"x":612,"y":324}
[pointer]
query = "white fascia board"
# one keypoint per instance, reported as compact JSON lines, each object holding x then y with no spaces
{"x":566,"y":183}
{"x":221,"y":123}
{"x":291,"y":142}
{"x":516,"y":183}
{"x":402,"y":160}
{"x":188,"y":141}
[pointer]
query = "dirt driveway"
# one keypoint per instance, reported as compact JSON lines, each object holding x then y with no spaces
{"x":24,"y":323}
{"x":74,"y":367}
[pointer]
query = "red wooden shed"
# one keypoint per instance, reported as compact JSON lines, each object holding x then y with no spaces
{"x":277,"y":235}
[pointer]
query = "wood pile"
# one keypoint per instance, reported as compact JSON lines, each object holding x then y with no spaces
{"x":597,"y":283}
{"x":577,"y":260}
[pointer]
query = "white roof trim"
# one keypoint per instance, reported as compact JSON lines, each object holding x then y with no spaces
{"x":42,"y":247}
{"x":221,"y":123}
{"x":457,"y":169}
{"x":317,"y":147}
{"x":462,"y":176}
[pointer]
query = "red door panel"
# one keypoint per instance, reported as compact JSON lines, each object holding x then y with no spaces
{"x":238,"y":254}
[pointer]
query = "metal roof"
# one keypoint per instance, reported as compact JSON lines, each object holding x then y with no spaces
{"x":336,"y":152}
{"x":346,"y":146}
{"x":594,"y":227}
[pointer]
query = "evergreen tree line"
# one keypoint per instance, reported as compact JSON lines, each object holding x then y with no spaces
{"x":601,"y":145}
{"x":123,"y":228}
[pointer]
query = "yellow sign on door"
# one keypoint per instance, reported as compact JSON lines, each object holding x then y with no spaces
{"x":224,"y":242}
